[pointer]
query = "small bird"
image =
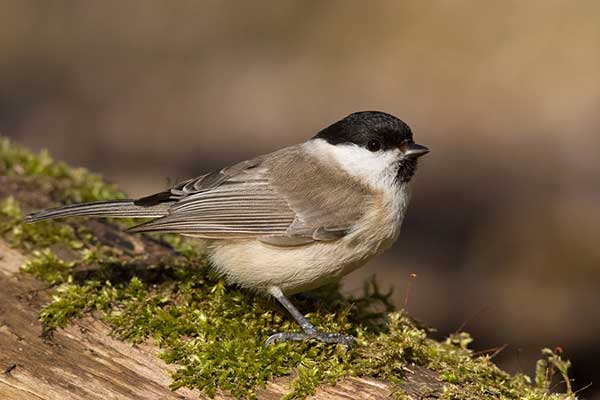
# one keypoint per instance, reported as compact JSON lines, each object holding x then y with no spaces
{"x":292,"y":220}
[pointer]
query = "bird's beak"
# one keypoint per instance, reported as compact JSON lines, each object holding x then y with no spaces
{"x":413,"y":150}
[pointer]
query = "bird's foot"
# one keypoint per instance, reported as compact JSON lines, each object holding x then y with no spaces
{"x":332,"y":338}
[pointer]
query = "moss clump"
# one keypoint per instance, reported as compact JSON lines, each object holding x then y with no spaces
{"x":46,"y":266}
{"x":44,"y":234}
{"x":64,"y":184}
{"x":215,"y":334}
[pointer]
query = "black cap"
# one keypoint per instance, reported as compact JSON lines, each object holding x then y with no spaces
{"x":362,"y":127}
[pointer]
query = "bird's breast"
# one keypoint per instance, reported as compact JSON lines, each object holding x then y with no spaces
{"x":256,"y":265}
{"x":379,"y":227}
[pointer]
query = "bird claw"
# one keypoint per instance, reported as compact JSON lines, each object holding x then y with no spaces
{"x":331,"y":338}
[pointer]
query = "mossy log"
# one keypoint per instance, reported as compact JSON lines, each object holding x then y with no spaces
{"x":88,"y":311}
{"x":83,"y":361}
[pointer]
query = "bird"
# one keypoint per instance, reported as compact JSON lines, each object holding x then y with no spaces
{"x":292,"y":220}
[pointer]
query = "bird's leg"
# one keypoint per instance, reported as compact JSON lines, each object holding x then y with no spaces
{"x":310,"y":332}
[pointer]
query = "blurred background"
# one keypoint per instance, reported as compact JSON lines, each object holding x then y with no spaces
{"x":504,"y":225}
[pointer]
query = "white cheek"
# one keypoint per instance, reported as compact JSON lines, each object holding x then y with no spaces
{"x":378,"y":169}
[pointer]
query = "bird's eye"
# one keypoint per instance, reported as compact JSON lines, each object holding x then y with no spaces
{"x":374,"y":145}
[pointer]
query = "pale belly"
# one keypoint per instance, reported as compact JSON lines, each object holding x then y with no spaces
{"x":257,"y":266}
{"x":254,"y":265}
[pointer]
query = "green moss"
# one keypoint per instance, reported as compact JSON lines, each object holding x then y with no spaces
{"x":215,"y":334}
{"x":64,"y":184}
{"x":46,"y":233}
{"x":46,"y":266}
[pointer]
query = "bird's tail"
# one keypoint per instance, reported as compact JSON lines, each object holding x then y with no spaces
{"x":116,"y":209}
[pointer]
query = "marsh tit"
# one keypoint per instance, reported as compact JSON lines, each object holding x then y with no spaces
{"x":291,"y":220}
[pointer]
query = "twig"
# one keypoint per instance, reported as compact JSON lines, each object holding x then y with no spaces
{"x":412,"y":278}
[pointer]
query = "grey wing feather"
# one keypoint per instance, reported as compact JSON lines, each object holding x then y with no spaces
{"x":225,"y":206}
{"x":259,"y":198}
{"x":292,"y":238}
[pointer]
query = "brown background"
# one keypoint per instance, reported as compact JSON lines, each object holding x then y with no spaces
{"x":503,"y":231}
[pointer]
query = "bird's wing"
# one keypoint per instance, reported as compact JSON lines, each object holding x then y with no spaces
{"x":253,"y":199}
